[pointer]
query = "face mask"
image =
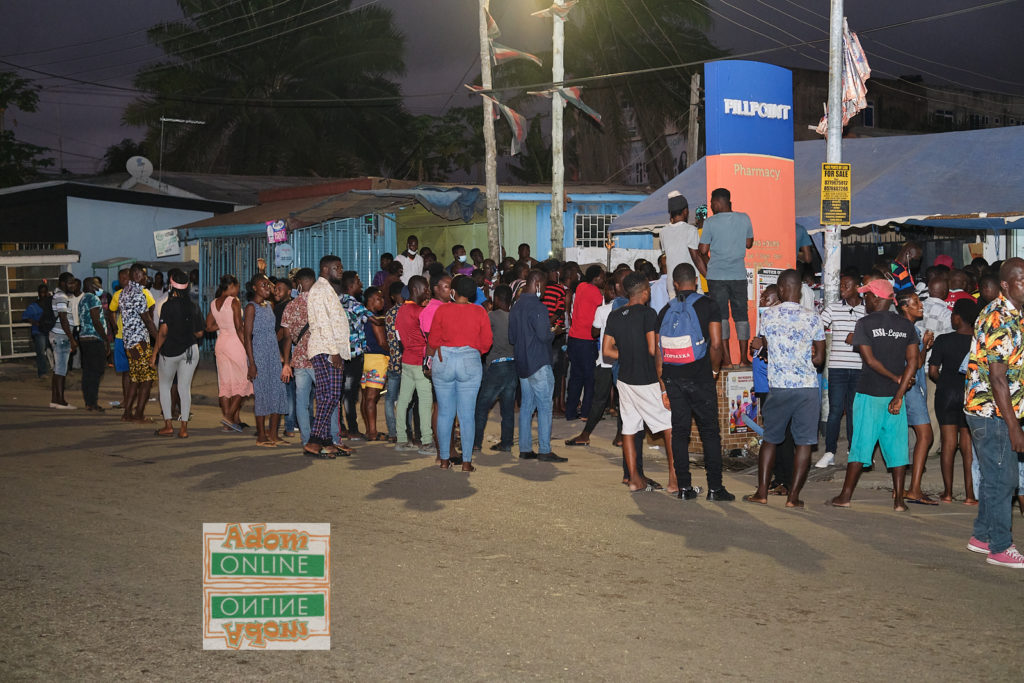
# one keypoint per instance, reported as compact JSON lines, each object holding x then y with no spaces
{"x":295,"y":293}
{"x":412,"y":252}
{"x":462,"y":259}
{"x":98,"y":291}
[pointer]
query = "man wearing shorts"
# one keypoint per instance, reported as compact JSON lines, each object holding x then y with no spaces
{"x":796,"y":346}
{"x":888,"y":344}
{"x":62,"y":341}
{"x":630,"y":337}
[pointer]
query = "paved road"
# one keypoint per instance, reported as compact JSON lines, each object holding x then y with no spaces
{"x":518,"y":571}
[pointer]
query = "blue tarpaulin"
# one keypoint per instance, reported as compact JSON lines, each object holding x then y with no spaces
{"x":453,"y":203}
{"x":956,"y":176}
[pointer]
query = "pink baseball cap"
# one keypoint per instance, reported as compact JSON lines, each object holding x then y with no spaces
{"x":943,"y":260}
{"x":880,"y":288}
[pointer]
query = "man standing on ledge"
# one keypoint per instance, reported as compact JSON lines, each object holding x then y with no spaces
{"x":680,"y":241}
{"x":723,"y":244}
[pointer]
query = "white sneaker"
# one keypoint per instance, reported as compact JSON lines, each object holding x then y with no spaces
{"x":825,"y":461}
{"x":62,"y":406}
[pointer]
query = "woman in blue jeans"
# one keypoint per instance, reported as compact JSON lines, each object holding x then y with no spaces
{"x":459,"y":334}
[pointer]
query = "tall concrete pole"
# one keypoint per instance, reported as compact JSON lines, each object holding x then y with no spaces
{"x":490,"y":149}
{"x":557,"y":162}
{"x":834,"y":146}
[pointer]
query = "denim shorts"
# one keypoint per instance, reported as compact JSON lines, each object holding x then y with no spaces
{"x":801,"y":406}
{"x":61,"y":353}
{"x":916,"y":401}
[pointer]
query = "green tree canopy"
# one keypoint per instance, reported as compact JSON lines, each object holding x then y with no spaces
{"x":265,"y":76}
{"x":20,"y":162}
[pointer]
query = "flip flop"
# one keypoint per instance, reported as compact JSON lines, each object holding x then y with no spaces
{"x":266,"y":444}
{"x":920,"y":501}
{"x":323,"y":455}
{"x":344,"y":450}
{"x":655,"y":485}
{"x":574,"y":442}
{"x":647,"y":489}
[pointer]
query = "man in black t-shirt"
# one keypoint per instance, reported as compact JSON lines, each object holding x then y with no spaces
{"x":888,"y":343}
{"x":630,"y":337}
{"x":692,"y":392}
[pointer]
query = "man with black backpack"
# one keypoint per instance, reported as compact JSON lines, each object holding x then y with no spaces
{"x":688,"y":360}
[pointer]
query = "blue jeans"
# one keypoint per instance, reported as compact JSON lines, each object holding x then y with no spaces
{"x":394,"y":381}
{"x":842,"y":387}
{"x":537,"y":392}
{"x":289,"y":419}
{"x":303,"y":381}
{"x":499,"y":382}
{"x":582,"y":363}
{"x":41,"y":342}
{"x":457,"y":373}
{"x":998,"y":463}
{"x":61,"y":353}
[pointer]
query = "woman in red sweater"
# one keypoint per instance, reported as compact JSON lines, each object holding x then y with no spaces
{"x":581,"y":345}
{"x":459,"y":334}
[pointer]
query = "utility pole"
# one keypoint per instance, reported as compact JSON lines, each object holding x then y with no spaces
{"x":490,"y":149}
{"x":557,"y":162}
{"x":693,"y":134}
{"x":834,"y":146}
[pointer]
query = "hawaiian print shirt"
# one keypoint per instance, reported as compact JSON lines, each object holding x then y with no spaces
{"x":90,"y":301}
{"x":394,"y":344}
{"x":358,"y":314}
{"x":997,"y":339}
{"x":791,"y":330}
{"x":133,"y":304}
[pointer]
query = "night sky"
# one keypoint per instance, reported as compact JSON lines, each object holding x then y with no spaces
{"x":978,"y":50}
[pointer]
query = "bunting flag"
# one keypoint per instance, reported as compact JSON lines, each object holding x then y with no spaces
{"x":492,"y":26}
{"x":856,"y":72}
{"x":502,"y":53}
{"x":516,"y":121}
{"x":571,"y":95}
{"x":556,"y":11}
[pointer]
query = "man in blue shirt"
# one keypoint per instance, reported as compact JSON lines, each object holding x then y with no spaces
{"x":724,"y":241}
{"x":529,"y":331}
{"x":40,"y":339}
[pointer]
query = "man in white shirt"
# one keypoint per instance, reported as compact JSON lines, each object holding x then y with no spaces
{"x":328,"y":348}
{"x":680,"y":241}
{"x":412,"y":262}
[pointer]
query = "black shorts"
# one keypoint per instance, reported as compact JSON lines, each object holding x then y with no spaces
{"x":949,"y":406}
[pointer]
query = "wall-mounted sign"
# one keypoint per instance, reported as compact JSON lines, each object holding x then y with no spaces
{"x":276,"y":232}
{"x":166,"y":242}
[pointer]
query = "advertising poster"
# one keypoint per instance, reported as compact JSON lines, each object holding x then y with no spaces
{"x":739,"y":387}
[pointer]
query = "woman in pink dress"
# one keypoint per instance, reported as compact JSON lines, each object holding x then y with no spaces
{"x":233,"y":382}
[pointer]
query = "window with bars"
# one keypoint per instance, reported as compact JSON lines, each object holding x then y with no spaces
{"x":591,"y":230}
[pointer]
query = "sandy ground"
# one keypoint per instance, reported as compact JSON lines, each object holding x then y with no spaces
{"x":521,"y":570}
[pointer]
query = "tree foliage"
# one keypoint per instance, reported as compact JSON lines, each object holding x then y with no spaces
{"x":20,"y":162}
{"x":226,"y":64}
{"x":115,"y":159}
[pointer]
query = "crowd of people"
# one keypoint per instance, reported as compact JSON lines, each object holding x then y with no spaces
{"x":441,"y":345}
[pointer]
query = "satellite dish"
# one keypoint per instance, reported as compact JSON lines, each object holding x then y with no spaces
{"x":139,"y":168}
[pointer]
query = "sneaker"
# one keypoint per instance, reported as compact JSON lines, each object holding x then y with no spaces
{"x":427,"y":450}
{"x":405,"y":446}
{"x":1008,"y":558}
{"x":688,"y":493}
{"x":62,"y":406}
{"x":527,"y":456}
{"x":720,"y":495}
{"x":551,"y":457}
{"x":826,"y":461}
{"x":501,"y":448}
{"x":976,"y":546}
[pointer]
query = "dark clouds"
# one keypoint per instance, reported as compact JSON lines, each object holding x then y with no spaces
{"x":443,"y":48}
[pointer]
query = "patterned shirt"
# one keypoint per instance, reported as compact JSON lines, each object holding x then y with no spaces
{"x":328,"y":324}
{"x":358,"y":314}
{"x":59,"y":304}
{"x":90,"y":301}
{"x":997,"y":339}
{"x":294,"y":318}
{"x":840,"y":318}
{"x":901,"y":277}
{"x":791,"y":330}
{"x":132,"y":305}
{"x":394,"y":344}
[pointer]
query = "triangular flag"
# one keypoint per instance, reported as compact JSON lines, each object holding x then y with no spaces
{"x":571,"y":95}
{"x":502,"y":53}
{"x":516,"y":120}
{"x":559,"y":12}
{"x":492,"y":26}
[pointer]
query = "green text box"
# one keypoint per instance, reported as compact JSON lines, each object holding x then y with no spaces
{"x":267,"y":606}
{"x":266,"y":564}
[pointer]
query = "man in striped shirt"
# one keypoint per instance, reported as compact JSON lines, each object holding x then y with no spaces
{"x":844,"y":363}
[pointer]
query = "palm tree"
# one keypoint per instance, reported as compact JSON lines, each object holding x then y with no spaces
{"x":612,"y":36}
{"x":266,"y":76}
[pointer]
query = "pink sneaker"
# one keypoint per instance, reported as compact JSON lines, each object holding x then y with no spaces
{"x":1008,"y":558}
{"x":976,"y":546}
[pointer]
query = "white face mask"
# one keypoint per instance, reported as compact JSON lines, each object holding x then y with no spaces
{"x":412,"y":252}
{"x":462,"y":259}
{"x":98,"y":291}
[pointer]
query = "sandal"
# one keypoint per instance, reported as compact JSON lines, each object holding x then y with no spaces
{"x":445,"y":464}
{"x":576,"y":442}
{"x":468,"y":467}
{"x":322,"y":454}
